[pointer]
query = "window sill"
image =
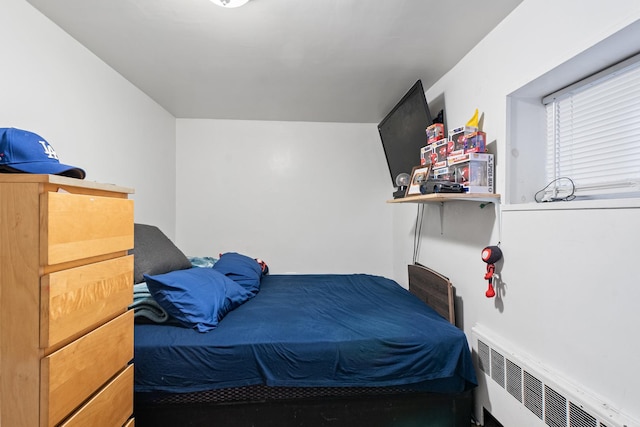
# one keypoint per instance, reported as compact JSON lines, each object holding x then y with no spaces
{"x":626,"y":203}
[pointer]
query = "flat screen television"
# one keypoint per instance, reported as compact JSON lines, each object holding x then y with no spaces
{"x":403,"y":131}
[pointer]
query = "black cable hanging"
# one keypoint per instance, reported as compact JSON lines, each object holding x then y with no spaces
{"x":417,"y":232}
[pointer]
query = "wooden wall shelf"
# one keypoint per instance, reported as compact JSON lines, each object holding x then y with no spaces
{"x":448,"y":197}
{"x":440,"y":198}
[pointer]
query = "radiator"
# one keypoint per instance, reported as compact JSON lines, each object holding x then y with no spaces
{"x":521,"y":392}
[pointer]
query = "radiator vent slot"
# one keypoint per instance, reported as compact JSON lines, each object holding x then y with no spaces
{"x":497,"y":367}
{"x":579,"y":418}
{"x":547,"y":395}
{"x":555,"y":408}
{"x":533,"y":394}
{"x":483,"y":357}
{"x":514,"y":380}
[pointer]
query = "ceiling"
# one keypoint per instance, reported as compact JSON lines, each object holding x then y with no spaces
{"x":291,"y":60}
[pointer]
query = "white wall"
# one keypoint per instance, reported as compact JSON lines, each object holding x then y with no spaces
{"x":94,"y":118}
{"x":570,"y":276}
{"x":305,"y":197}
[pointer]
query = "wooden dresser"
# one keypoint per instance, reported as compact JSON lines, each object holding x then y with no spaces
{"x":66,"y":337}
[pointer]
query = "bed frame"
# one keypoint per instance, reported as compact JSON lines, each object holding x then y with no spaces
{"x":261,"y":406}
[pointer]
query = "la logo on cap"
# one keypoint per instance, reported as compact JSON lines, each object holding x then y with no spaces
{"x":22,"y":151}
{"x":49,"y":151}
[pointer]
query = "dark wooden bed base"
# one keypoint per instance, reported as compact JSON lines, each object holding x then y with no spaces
{"x":383,"y":408}
{"x":405,"y":410}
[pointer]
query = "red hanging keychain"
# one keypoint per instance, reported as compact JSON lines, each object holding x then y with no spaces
{"x":491,"y":255}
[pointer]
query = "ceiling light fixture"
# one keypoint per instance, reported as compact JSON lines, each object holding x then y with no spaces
{"x":230,"y":3}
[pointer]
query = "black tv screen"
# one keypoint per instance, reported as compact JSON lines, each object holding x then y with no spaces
{"x":403,"y":131}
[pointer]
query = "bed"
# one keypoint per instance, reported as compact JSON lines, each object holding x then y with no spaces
{"x":305,"y":350}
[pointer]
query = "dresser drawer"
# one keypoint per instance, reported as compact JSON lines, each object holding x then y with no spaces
{"x":74,"y":300}
{"x":77,"y":226}
{"x":73,"y":373}
{"x":111,"y":406}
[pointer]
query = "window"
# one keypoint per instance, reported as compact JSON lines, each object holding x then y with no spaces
{"x":593,"y":136}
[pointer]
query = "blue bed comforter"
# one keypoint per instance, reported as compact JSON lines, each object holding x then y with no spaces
{"x":311,"y":331}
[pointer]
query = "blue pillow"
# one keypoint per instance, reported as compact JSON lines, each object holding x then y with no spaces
{"x":197,"y":297}
{"x":242,"y":269}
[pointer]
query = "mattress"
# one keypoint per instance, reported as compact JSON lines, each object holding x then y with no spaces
{"x":310,"y":331}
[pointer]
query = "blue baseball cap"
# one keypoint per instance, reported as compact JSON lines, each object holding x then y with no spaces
{"x":24,"y":151}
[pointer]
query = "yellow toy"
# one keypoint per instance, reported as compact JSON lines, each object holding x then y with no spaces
{"x":474,"y":120}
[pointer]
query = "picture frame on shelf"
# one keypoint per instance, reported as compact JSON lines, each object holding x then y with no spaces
{"x":419,"y":174}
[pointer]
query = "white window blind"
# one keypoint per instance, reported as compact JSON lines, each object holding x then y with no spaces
{"x":593,"y":136}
